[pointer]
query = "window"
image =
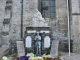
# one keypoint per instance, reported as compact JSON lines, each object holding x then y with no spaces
{"x":7,"y":13}
{"x":5,"y":27}
{"x":48,"y":8}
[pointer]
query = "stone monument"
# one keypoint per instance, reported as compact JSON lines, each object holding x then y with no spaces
{"x":20,"y":48}
{"x":39,"y":25}
{"x":54,"y":48}
{"x":38,"y":21}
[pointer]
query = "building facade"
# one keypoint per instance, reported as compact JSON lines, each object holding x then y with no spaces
{"x":16,"y":15}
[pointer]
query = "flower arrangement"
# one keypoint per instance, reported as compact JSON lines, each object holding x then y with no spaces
{"x":49,"y":57}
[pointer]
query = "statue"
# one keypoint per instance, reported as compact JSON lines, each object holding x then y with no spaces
{"x":38,"y":20}
{"x":38,"y":43}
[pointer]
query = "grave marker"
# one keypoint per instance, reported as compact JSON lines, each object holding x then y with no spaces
{"x":20,"y":48}
{"x":54,"y":48}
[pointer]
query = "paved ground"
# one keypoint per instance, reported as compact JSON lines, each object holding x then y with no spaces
{"x":73,"y":56}
{"x":9,"y":58}
{"x":3,"y":51}
{"x":65,"y":57}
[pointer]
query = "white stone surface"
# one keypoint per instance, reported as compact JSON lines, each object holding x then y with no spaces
{"x":38,"y":21}
{"x":44,"y":31}
{"x":31,"y":31}
{"x":28,"y":42}
{"x":47,"y":42}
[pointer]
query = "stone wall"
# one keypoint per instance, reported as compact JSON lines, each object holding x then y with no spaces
{"x":2,"y":11}
{"x":59,"y":24}
{"x":75,"y":30}
{"x":76,"y":47}
{"x":15,"y":28}
{"x":61,"y":15}
{"x":29,"y":10}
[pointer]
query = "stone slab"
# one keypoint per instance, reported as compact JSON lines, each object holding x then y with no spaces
{"x":20,"y":48}
{"x":54,"y":48}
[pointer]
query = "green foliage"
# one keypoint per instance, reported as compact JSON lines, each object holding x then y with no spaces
{"x":29,"y":28}
{"x":30,"y":54}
